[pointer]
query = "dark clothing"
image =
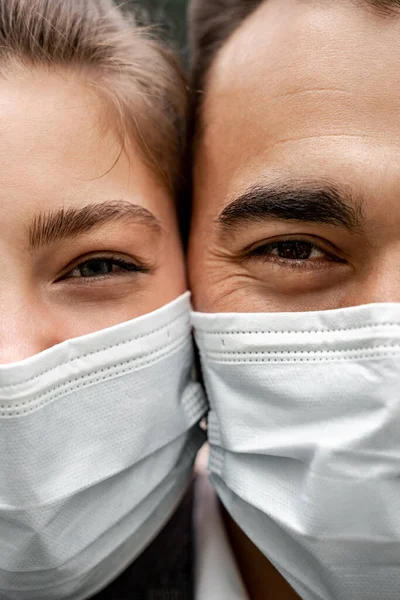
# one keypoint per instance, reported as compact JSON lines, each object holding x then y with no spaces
{"x":164,"y":571}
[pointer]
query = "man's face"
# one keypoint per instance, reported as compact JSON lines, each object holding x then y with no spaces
{"x":297,"y":169}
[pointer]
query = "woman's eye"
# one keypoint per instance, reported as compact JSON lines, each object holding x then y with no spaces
{"x":101,"y":267}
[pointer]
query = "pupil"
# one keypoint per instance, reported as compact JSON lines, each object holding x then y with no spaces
{"x":96,"y":267}
{"x":294,"y":250}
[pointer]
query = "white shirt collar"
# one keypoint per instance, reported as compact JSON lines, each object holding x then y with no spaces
{"x":217,"y":576}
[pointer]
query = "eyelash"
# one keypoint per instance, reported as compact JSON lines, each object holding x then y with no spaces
{"x":127,"y":267}
{"x":264,"y":252}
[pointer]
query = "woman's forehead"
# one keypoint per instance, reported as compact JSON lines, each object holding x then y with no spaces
{"x":60,"y":148}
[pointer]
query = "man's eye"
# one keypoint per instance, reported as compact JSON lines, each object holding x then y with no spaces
{"x":102,"y":267}
{"x":296,"y":250}
{"x":292,"y":252}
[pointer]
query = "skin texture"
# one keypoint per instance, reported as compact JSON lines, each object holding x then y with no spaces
{"x":298,"y":95}
{"x":305,"y":95}
{"x":60,"y":151}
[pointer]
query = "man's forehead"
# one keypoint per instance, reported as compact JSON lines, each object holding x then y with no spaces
{"x":303,"y":88}
{"x":293,"y":45}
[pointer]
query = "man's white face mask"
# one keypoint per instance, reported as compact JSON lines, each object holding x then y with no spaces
{"x":97,"y":441}
{"x":305,"y":442}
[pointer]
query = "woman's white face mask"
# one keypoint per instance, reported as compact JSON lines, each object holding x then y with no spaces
{"x":99,"y":436}
{"x":305,"y":442}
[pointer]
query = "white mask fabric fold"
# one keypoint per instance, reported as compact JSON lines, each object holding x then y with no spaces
{"x":304,"y":429}
{"x":97,"y":440}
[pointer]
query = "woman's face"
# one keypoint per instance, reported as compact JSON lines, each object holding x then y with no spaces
{"x":88,"y":235}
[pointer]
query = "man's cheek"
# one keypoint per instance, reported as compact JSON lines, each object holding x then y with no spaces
{"x":220,"y":284}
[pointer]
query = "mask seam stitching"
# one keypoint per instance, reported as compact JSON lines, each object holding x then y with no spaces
{"x":88,"y":354}
{"x":306,"y":360}
{"x":305,"y":331}
{"x":300,"y":352}
{"x":80,"y":382}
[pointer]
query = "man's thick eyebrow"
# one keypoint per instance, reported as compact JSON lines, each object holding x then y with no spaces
{"x":46,"y":228}
{"x":322,"y":204}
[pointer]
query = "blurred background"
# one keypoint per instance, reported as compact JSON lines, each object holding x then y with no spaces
{"x":171,"y":14}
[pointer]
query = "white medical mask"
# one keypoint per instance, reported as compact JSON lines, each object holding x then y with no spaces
{"x":305,"y":442}
{"x":97,"y":440}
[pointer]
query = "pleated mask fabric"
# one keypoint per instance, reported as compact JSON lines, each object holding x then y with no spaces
{"x":304,"y":431}
{"x":97,"y":440}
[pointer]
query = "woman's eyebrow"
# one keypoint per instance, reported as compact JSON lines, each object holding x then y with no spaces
{"x":316,"y":202}
{"x":46,"y":228}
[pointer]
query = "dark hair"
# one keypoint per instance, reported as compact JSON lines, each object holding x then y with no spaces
{"x":138,"y":77}
{"x":212,"y":22}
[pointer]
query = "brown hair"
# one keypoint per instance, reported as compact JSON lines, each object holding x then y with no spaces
{"x":136,"y":74}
